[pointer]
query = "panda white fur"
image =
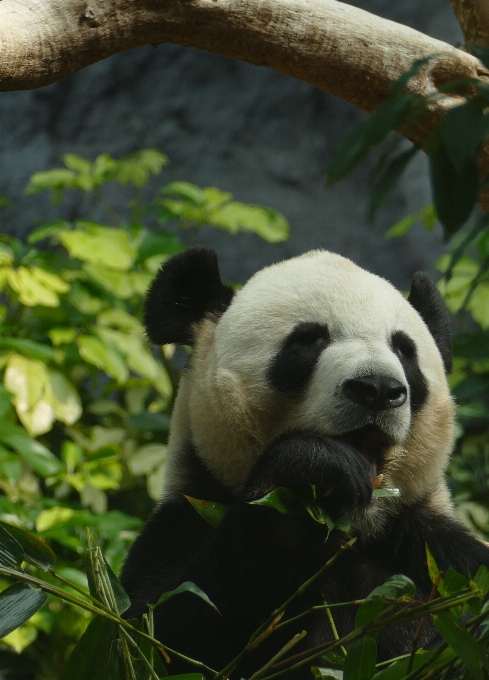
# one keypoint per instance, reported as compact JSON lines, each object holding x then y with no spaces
{"x":316,"y":372}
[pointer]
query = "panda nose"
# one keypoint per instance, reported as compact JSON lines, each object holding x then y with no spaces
{"x":375,"y":392}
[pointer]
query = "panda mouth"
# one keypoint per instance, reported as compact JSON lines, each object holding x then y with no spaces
{"x":373,"y":444}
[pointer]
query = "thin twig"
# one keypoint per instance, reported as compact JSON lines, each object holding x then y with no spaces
{"x":133,"y":643}
{"x":423,"y":622}
{"x":258,"y":633}
{"x":286,"y":648}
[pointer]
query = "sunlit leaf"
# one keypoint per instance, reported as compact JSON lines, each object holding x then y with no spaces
{"x":266,"y":223}
{"x":137,"y":168}
{"x":63,"y":398}
{"x":100,"y":245}
{"x":6,"y":255}
{"x":32,"y":291}
{"x":52,"y":517}
{"x":100,"y":355}
{"x":402,"y":227}
{"x":186,"y":190}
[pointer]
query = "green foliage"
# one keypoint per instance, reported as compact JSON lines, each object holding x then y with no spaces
{"x":84,"y":401}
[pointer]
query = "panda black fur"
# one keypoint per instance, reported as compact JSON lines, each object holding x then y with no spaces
{"x":316,"y":372}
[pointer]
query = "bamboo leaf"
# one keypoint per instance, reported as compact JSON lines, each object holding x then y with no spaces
{"x":360,"y":659}
{"x":463,"y":644}
{"x":283,"y":500}
{"x":11,"y":553}
{"x":18,"y":603}
{"x":187,"y":587}
{"x":388,"y":179}
{"x":98,"y":654}
{"x":34,"y":550}
{"x":454,"y":190}
{"x":213,"y":513}
{"x":396,"y":587}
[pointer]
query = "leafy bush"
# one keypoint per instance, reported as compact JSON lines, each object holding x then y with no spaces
{"x":85,"y":402}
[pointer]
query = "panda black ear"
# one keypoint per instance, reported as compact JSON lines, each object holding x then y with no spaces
{"x":429,"y":304}
{"x":185,"y":290}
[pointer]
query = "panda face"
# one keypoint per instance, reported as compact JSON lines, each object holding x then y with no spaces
{"x":318,"y":344}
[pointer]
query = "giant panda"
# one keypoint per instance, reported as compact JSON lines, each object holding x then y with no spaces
{"x":316,"y":372}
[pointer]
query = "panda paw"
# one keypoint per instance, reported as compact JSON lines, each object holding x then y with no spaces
{"x":340,"y":474}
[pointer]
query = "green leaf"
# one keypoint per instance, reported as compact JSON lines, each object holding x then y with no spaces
{"x":95,"y":352}
{"x":137,"y":168}
{"x":40,"y":459}
{"x":154,"y":243}
{"x":57,"y":179}
{"x":18,"y":603}
{"x":98,"y":654}
{"x":53,"y":517}
{"x":29,"y":348}
{"x":397,"y":587}
{"x":47,"y":230}
{"x":122,"y":600}
{"x":388,"y":179}
{"x":481,"y":579}
{"x":11,"y":552}
{"x":187,"y":587}
{"x":360,"y":659}
{"x":463,"y":644}
{"x":464,"y":129}
{"x":283,"y":500}
{"x":402,"y":227}
{"x":454,"y":191}
{"x":213,"y":513}
{"x":34,"y":550}
{"x":356,"y":146}
{"x":186,"y":190}
{"x":269,"y":224}
{"x":433,"y":570}
{"x":100,"y":245}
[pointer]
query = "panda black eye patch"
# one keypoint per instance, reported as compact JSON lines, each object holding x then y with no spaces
{"x":405,"y":349}
{"x":293,"y":365}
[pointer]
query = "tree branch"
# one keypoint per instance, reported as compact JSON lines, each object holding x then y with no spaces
{"x":338,"y":48}
{"x":473,"y":17}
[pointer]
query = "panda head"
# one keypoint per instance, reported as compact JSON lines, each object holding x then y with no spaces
{"x":314,"y":343}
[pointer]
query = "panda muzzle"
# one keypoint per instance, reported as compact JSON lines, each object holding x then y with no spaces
{"x":373,"y":444}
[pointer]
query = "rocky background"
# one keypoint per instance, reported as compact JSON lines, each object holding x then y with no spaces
{"x":265,"y":137}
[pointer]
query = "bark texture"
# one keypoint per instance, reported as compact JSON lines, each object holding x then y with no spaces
{"x":473,"y":17}
{"x":338,"y":48}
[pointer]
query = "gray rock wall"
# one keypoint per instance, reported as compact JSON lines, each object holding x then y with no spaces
{"x":264,"y":137}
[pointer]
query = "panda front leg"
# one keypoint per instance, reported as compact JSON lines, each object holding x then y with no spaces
{"x":341,"y":475}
